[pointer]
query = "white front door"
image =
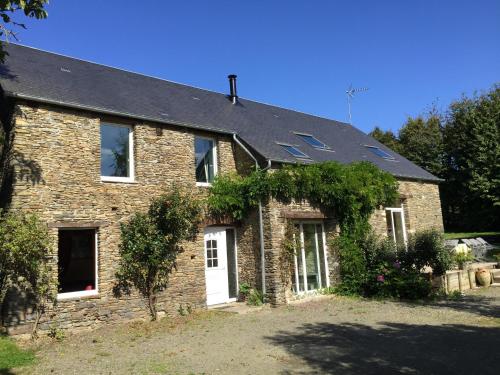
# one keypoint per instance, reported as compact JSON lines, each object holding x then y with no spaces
{"x":216,"y":266}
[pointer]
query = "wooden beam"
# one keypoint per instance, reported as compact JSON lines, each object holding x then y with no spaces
{"x":291,"y":214}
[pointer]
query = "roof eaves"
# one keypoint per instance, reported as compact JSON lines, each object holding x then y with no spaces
{"x":117,"y":113}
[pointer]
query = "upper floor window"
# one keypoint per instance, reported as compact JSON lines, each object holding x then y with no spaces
{"x":205,"y":160}
{"x":117,"y":152}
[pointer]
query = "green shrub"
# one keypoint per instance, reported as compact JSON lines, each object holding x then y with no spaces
{"x":426,"y":249}
{"x":377,"y":268}
{"x":245,"y":289}
{"x":24,"y":260}
{"x":151,"y":242}
{"x":255,"y":298}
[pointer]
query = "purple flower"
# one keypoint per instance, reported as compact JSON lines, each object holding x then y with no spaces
{"x":397,"y":265}
{"x":380,"y":278}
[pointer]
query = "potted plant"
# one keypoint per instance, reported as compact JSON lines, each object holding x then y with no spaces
{"x":462,"y":255}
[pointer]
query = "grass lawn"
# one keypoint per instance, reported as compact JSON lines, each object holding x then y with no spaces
{"x":12,"y":356}
{"x":451,"y":236}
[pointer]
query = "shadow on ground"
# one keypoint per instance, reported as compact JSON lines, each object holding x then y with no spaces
{"x":392,"y":348}
{"x":484,"y":306}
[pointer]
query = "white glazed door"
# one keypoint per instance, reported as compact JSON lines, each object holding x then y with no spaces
{"x":216,"y":266}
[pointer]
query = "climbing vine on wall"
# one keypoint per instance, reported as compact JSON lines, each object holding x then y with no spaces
{"x":352,"y":192}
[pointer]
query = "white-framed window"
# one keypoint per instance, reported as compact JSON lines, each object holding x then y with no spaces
{"x":77,"y":263}
{"x":212,"y":255}
{"x":205,"y":159}
{"x":117,"y":152}
{"x":310,"y":259}
{"x":396,"y":225}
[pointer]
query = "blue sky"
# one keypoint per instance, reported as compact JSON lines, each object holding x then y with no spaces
{"x":296,"y":54}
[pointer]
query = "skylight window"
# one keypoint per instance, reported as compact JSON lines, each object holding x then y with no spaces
{"x":380,"y":153}
{"x":312,"y":141}
{"x":295,"y":151}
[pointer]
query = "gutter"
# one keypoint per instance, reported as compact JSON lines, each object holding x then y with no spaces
{"x":261,"y":224}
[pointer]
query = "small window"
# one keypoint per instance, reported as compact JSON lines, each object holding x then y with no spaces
{"x":295,"y":151}
{"x":205,"y":160}
{"x":377,"y":151}
{"x":312,"y":141}
{"x":77,"y":263}
{"x":117,"y":153}
{"x":212,"y":256}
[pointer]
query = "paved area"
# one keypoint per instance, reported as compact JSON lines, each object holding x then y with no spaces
{"x":334,"y":335}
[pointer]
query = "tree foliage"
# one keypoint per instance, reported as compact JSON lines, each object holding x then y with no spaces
{"x":421,"y":141}
{"x":151,"y":243}
{"x":30,"y":8}
{"x":387,"y":137}
{"x":24,"y":260}
{"x":461,"y":146}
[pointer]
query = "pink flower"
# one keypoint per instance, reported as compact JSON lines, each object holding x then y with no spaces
{"x":380,"y":278}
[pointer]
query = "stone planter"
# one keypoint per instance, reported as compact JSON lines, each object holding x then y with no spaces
{"x":483,"y":277}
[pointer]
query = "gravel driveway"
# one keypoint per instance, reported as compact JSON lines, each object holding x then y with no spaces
{"x":335,"y":335}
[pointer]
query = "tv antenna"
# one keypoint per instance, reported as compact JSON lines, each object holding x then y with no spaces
{"x":350,"y":94}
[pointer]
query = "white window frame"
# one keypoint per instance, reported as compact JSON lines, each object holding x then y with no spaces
{"x":403,"y":223}
{"x":214,"y":156}
{"x":318,"y":260}
{"x":212,"y":259}
{"x":84,"y":293}
{"x":131,"y":178}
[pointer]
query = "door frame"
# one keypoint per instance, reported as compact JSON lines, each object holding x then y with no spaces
{"x":303,"y":259}
{"x":220,"y":228}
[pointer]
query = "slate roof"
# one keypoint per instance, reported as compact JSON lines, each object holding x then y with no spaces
{"x":33,"y":74}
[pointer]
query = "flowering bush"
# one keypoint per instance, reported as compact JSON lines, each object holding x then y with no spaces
{"x":377,"y":268}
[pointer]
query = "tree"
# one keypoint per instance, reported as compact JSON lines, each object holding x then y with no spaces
{"x":151,"y":243}
{"x":471,"y":194}
{"x":421,"y":141}
{"x":30,"y":8}
{"x":24,"y":260}
{"x":387,"y":138}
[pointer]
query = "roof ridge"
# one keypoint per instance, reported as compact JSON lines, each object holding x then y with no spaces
{"x":176,"y":83}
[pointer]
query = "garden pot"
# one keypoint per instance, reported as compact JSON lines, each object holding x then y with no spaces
{"x":483,"y":277}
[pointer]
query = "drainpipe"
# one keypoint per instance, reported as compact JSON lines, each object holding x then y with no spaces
{"x":261,"y":225}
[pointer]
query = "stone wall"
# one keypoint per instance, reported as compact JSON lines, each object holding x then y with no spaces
{"x":422,"y":208}
{"x":57,"y":176}
{"x":278,"y":262}
{"x":62,"y":147}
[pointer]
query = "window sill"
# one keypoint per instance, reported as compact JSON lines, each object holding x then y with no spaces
{"x":77,"y":295}
{"x":204,"y":184}
{"x":125,"y":180}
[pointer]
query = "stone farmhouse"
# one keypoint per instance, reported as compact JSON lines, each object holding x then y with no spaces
{"x":87,"y":145}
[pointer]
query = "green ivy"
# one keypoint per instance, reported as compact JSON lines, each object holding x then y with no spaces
{"x":352,"y":192}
